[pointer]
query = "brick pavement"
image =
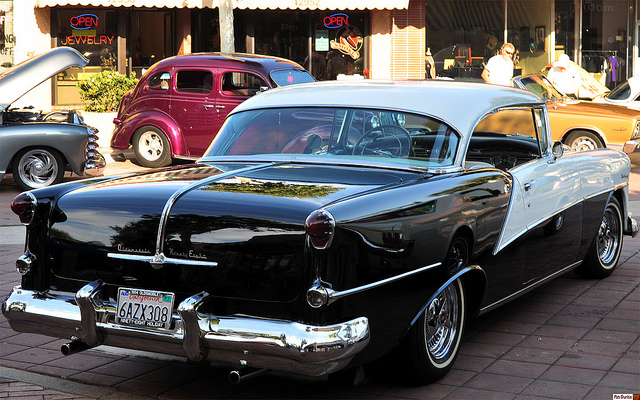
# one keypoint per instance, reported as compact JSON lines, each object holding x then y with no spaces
{"x":571,"y":339}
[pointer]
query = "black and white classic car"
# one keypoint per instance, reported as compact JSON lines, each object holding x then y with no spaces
{"x":36,"y":146}
{"x":328,"y":225}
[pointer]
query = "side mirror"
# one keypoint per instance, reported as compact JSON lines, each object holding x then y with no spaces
{"x":557,"y":149}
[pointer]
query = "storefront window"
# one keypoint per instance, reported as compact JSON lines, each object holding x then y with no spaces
{"x":462,"y":35}
{"x":604,"y":40}
{"x":7,"y":40}
{"x":93,"y":33}
{"x":285,"y":33}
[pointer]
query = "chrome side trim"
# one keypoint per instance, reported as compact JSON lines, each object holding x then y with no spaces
{"x":529,"y":288}
{"x":336,"y":295}
{"x":159,"y":261}
{"x":235,"y":340}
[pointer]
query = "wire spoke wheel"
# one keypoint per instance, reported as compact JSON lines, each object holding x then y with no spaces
{"x":604,"y":253}
{"x":441,"y":324}
{"x":608,"y":241}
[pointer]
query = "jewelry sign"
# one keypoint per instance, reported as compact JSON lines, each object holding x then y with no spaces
{"x":83,"y":31}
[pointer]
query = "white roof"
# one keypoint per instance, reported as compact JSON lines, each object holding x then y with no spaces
{"x":459,"y":104}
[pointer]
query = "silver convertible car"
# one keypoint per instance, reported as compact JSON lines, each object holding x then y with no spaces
{"x":37,"y":147}
{"x":328,"y":225}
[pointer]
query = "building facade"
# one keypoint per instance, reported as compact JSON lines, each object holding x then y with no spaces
{"x":379,"y":39}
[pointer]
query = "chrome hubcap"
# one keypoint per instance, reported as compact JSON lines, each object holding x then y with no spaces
{"x":38,"y":168}
{"x":150,"y":146}
{"x":583,"y":143}
{"x":442,"y":324}
{"x":608,"y":238}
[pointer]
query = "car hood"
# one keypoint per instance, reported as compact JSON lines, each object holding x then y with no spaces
{"x":23,"y":77}
{"x":235,"y":220}
{"x":592,"y":108}
{"x":589,"y":88}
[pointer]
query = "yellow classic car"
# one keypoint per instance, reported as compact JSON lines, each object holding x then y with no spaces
{"x":585,"y":125}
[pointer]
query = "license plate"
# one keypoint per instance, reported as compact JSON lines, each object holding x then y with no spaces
{"x":147,"y":308}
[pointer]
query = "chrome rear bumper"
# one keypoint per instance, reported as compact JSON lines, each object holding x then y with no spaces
{"x":237,"y":341}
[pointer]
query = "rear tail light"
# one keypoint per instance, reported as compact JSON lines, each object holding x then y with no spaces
{"x":320,"y":228}
{"x":24,"y":206}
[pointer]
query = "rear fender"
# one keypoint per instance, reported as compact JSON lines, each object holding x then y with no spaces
{"x":123,"y":133}
{"x":474,"y":283}
{"x":69,"y":140}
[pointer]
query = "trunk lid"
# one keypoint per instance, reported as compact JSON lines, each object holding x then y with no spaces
{"x":249,"y":227}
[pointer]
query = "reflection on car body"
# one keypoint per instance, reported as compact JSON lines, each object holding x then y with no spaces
{"x":374,"y":218}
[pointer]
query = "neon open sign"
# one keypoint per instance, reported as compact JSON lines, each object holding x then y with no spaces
{"x":336,"y":21}
{"x":84,"y":21}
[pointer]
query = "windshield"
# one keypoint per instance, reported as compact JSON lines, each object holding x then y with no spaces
{"x":284,"y":77}
{"x":541,"y":86}
{"x":363,"y":134}
{"x":622,"y":92}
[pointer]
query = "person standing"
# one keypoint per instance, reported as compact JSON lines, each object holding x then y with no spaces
{"x":336,"y":65}
{"x":563,"y":77}
{"x":499,"y":68}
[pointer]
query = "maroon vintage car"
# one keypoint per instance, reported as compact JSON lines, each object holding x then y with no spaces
{"x":180,"y":103}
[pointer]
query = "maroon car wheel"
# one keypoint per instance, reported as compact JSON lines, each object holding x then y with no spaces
{"x":151,"y":147}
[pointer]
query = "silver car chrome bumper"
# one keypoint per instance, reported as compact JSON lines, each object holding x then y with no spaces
{"x":231,"y":340}
{"x":633,"y":229}
{"x":631,"y":146}
{"x":95,"y":165}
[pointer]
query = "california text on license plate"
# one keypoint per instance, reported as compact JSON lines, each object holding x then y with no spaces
{"x":140,"y":307}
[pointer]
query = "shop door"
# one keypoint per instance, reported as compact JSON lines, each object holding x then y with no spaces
{"x":193,"y":108}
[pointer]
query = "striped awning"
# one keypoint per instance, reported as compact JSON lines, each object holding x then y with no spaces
{"x":240,"y":4}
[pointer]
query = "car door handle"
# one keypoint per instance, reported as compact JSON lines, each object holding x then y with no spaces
{"x":529,"y":185}
{"x":208,"y":106}
{"x":220,"y":107}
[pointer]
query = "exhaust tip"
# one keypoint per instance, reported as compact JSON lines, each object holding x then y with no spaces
{"x":73,"y":347}
{"x":244,"y":374}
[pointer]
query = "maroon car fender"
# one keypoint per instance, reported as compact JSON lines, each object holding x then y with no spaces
{"x":123,"y":133}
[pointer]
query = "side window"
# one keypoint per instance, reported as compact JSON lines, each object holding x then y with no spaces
{"x":194,"y":81}
{"x":507,"y":138}
{"x":241,"y":84}
{"x":160,"y":81}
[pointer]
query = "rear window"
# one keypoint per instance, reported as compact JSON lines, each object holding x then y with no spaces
{"x":194,"y":81}
{"x":284,"y":77}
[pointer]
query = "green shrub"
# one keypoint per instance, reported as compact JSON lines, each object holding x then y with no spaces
{"x":102,"y":92}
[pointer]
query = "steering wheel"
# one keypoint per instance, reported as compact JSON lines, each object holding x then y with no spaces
{"x":380,"y":133}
